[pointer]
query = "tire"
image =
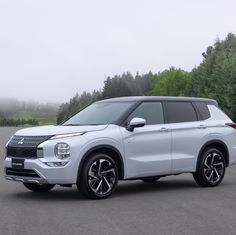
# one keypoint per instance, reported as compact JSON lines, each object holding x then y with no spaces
{"x":150,"y":179}
{"x":211,"y":169}
{"x":39,"y":188}
{"x":99,"y":177}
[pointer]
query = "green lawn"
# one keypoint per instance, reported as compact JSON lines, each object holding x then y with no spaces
{"x":48,"y":118}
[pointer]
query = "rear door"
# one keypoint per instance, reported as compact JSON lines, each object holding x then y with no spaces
{"x":187,"y":134}
{"x":148,"y":148}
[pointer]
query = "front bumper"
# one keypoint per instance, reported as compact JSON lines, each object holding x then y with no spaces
{"x":44,"y":174}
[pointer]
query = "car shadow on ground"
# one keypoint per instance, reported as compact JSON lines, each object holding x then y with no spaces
{"x":124,"y":189}
{"x":139,"y":187}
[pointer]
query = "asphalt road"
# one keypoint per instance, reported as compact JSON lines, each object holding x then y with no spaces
{"x":174,"y":205}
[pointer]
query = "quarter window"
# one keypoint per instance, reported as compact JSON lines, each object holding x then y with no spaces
{"x":181,"y":112}
{"x":203,"y":110}
{"x":152,"y":112}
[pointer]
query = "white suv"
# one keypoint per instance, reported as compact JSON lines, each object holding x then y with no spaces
{"x":125,"y":138}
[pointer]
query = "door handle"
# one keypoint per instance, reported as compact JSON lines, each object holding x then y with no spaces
{"x":201,"y":126}
{"x":163,"y":129}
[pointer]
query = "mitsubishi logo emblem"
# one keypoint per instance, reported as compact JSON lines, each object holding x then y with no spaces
{"x":21,"y":141}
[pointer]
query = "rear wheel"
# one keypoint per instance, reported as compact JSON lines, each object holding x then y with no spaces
{"x":211,"y":169}
{"x":99,"y":177}
{"x":150,"y":179}
{"x":39,"y":188}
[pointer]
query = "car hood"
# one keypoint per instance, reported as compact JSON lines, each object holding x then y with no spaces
{"x":57,"y":130}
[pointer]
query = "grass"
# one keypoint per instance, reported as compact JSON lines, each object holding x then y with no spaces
{"x":47,"y":118}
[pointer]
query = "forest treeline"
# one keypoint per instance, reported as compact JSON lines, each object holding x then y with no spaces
{"x":214,"y":78}
{"x":17,"y":122}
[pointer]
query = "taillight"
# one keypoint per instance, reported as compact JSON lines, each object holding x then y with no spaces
{"x":233,"y":125}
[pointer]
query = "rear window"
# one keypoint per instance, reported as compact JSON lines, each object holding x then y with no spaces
{"x":203,"y":110}
{"x":181,"y":112}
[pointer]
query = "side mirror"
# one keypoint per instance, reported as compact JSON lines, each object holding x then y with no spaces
{"x":136,"y":122}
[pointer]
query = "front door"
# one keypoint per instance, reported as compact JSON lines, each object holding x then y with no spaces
{"x":148,"y":148}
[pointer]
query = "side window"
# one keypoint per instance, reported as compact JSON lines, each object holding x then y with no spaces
{"x":203,"y":110}
{"x":181,"y":112}
{"x":152,"y":112}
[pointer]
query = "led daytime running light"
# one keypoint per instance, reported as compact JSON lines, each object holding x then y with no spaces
{"x":66,"y":135}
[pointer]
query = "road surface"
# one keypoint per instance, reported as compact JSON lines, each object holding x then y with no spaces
{"x":174,"y":205}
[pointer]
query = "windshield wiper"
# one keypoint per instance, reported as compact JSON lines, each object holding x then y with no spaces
{"x":71,"y":125}
{"x":89,"y":124}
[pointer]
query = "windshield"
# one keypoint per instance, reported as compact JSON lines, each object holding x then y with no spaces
{"x":99,"y":114}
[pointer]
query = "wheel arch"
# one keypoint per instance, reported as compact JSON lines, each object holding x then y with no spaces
{"x":218,"y":144}
{"x":110,"y":150}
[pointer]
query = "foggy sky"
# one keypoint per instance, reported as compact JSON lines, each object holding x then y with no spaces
{"x":51,"y":49}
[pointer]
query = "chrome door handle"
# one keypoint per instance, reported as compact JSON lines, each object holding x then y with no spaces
{"x":202,"y":127}
{"x":163,"y":129}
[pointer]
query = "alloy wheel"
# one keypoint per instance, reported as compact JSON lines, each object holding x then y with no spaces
{"x":101,"y":176}
{"x":214,"y":167}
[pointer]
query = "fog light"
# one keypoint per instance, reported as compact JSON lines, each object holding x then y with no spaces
{"x":62,"y":150}
{"x":56,"y":164}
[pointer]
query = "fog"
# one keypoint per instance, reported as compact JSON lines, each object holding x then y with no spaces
{"x":51,"y":49}
{"x":11,"y":105}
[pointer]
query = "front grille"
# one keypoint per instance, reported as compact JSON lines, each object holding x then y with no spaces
{"x":22,"y":152}
{"x":23,"y":172}
{"x":27,"y":141}
{"x":25,"y":146}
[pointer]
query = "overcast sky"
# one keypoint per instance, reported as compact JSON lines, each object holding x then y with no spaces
{"x":51,"y":49}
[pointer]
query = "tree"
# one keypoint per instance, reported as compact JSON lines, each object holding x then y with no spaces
{"x":171,"y":82}
{"x":117,"y":86}
{"x":215,"y":77}
{"x":77,"y":103}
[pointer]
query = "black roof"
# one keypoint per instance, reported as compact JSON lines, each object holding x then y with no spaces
{"x":159,"y":98}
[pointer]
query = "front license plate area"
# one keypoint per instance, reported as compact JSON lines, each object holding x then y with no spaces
{"x":17,"y":163}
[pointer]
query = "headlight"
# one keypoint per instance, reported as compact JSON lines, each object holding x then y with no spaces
{"x":62,"y":150}
{"x":66,"y":135}
{"x":39,"y":152}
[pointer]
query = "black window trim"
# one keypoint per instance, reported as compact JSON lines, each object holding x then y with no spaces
{"x":123,"y":119}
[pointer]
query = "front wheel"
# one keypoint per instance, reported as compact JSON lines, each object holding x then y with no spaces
{"x":99,"y":177}
{"x":39,"y":188}
{"x":211,"y":169}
